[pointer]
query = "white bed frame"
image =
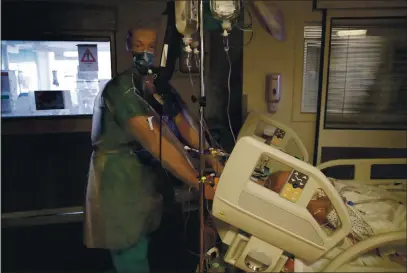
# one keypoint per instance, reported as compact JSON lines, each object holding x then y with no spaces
{"x":363,"y":169}
{"x":362,"y":175}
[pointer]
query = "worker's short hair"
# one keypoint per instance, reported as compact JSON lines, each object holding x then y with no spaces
{"x":153,"y":24}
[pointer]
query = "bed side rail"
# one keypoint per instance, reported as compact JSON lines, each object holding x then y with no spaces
{"x":365,"y":246}
{"x":364,"y":170}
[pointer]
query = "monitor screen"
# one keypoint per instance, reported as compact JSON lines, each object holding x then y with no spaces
{"x":49,"y":100}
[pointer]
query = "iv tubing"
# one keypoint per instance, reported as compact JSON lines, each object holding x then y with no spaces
{"x":201,"y":144}
{"x":226,"y":48}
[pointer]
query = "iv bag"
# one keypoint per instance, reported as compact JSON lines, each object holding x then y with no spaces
{"x":186,"y":17}
{"x":225,"y":10}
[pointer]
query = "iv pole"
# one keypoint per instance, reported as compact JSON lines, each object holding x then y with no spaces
{"x":202,"y":104}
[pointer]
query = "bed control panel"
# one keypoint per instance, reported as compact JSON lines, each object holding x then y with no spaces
{"x":293,"y":188}
{"x":278,"y":136}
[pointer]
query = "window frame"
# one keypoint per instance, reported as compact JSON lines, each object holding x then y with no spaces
{"x":326,"y":90}
{"x":63,"y":123}
{"x":308,"y":19}
{"x":377,"y":139}
{"x":304,"y":66}
{"x":360,"y":4}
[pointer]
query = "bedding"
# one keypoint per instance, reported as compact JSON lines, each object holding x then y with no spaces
{"x":372,"y":210}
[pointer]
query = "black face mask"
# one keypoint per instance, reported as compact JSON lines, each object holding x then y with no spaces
{"x":143,"y":61}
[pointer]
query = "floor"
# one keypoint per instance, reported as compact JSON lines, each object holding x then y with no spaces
{"x":58,"y":248}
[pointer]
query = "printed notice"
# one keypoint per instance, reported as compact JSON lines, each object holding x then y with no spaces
{"x":88,"y":58}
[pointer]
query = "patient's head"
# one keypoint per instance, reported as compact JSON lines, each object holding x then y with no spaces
{"x":276,"y":181}
{"x":319,"y":207}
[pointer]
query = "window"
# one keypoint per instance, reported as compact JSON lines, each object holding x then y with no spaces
{"x":367,"y":83}
{"x":310,"y":78}
{"x":52,"y":78}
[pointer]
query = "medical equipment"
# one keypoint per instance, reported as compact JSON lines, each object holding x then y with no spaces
{"x":186,"y":20}
{"x":202,"y":104}
{"x":262,"y":126}
{"x":226,"y":11}
{"x":189,"y":61}
{"x":195,"y":50}
{"x":273,"y":84}
{"x":273,"y":224}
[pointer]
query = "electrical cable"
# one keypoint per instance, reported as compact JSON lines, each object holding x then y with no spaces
{"x":205,"y":125}
{"x":202,"y":122}
{"x":247,"y":28}
{"x":211,"y":138}
{"x":186,"y":219}
{"x":162,"y":167}
{"x":250,"y":38}
{"x":226,"y":48}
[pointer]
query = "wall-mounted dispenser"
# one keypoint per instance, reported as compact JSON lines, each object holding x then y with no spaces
{"x":273,"y":91}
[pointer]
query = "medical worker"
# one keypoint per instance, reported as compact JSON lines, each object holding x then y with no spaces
{"x":123,"y":206}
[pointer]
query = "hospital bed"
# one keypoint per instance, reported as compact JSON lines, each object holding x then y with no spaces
{"x":263,"y":229}
{"x":358,"y":257}
{"x":262,"y":127}
{"x":362,"y":173}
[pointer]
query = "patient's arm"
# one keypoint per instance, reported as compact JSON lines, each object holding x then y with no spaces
{"x":172,"y":158}
{"x":192,"y":137}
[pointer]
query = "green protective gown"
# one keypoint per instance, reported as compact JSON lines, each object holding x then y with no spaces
{"x":122,"y":204}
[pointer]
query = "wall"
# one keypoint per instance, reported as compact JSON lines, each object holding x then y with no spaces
{"x":267,"y":55}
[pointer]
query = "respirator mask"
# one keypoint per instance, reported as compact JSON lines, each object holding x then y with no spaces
{"x":143,"y":61}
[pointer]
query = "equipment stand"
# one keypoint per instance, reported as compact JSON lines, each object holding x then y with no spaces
{"x":202,"y":104}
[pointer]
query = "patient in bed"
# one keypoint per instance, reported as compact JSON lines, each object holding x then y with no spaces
{"x":371,"y":213}
{"x":318,"y":207}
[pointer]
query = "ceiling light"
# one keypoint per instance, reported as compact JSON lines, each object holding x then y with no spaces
{"x":70,"y":54}
{"x":353,"y":32}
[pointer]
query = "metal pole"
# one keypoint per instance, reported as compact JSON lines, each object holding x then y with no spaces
{"x":201,"y":142}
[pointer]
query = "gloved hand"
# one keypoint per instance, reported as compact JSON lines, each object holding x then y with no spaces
{"x":209,"y":191}
{"x":217,"y":167}
{"x":216,"y":164}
